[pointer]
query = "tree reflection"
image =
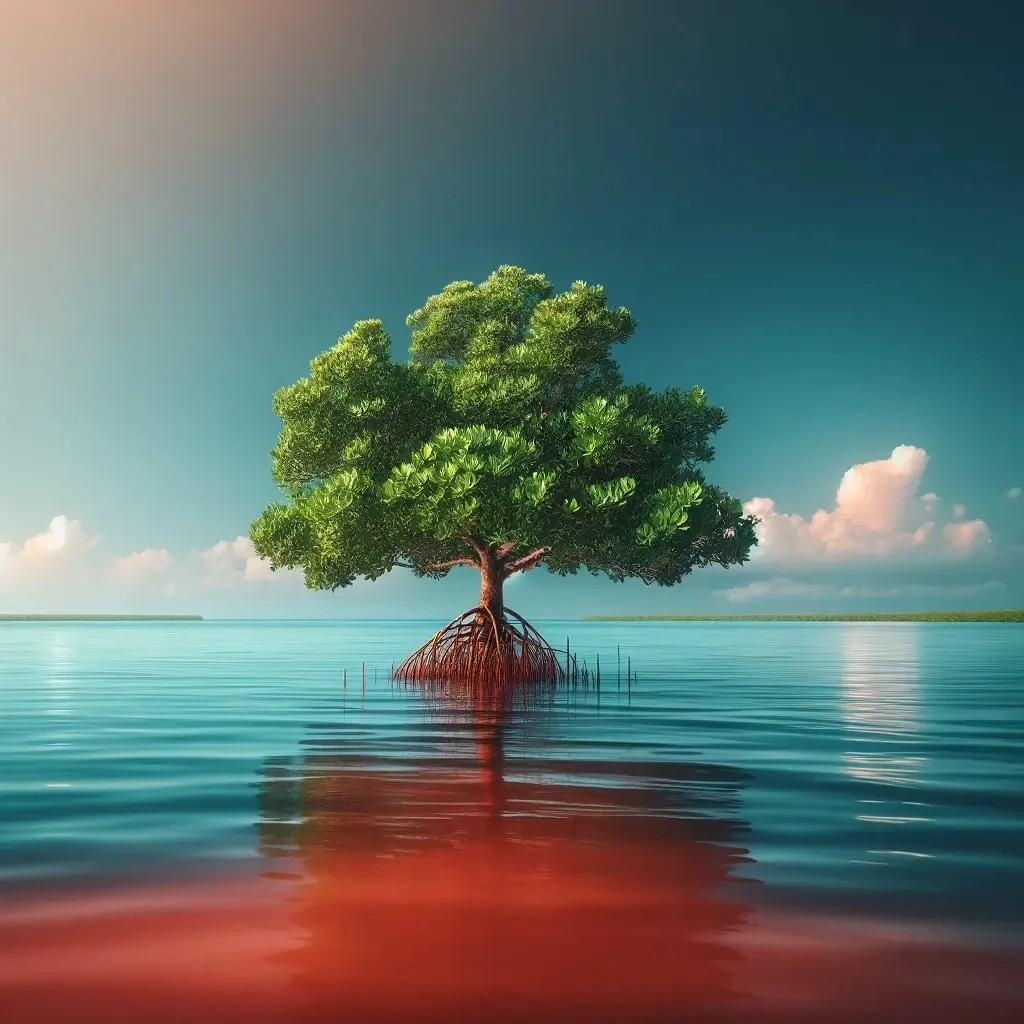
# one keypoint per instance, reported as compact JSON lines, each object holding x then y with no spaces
{"x":472,"y":878}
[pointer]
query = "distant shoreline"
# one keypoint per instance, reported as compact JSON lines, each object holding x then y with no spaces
{"x":1012,"y":615}
{"x":101,"y":618}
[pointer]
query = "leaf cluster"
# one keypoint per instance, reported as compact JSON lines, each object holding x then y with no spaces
{"x":507,"y":438}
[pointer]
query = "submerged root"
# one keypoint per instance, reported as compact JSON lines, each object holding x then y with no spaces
{"x":479,"y":652}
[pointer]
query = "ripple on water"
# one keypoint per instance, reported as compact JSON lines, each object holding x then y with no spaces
{"x":755,"y":769}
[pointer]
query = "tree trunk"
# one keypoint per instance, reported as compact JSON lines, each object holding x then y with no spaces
{"x":491,"y":584}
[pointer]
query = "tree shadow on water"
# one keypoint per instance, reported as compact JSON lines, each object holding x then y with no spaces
{"x":478,"y":883}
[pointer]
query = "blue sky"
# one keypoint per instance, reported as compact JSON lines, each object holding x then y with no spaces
{"x":811,"y":208}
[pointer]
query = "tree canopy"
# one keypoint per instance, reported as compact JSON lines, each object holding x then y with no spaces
{"x":506,"y":440}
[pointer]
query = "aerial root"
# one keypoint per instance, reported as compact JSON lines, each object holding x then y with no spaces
{"x":478,"y":651}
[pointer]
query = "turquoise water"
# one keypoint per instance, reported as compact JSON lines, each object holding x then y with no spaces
{"x":869,"y":770}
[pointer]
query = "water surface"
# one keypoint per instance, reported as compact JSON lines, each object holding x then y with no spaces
{"x":777,"y":819}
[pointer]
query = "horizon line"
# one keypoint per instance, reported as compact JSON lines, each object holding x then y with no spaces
{"x":1017,"y":614}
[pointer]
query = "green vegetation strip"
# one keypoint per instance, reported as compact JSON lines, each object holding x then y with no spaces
{"x":1011,"y":615}
{"x":101,"y":618}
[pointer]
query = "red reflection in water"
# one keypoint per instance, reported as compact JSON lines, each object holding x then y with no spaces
{"x":448,"y":889}
{"x":445,"y":939}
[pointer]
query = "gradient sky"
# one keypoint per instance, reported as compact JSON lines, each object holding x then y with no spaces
{"x":812,"y":207}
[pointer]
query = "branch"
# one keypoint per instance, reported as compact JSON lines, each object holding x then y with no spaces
{"x":450,"y":564}
{"x":528,"y":561}
{"x":435,"y":566}
{"x":480,"y":549}
{"x":505,"y":550}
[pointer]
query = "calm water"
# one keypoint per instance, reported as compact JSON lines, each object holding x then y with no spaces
{"x":225,"y":808}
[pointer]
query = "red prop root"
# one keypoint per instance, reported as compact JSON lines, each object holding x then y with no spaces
{"x":479,"y":651}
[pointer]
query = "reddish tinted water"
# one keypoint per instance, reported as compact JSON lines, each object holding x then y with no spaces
{"x":223,"y":832}
{"x":525,"y":934}
{"x":427,"y":891}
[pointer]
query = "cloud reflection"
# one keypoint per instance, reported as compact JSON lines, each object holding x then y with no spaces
{"x":881,"y":702}
{"x":882,"y":714}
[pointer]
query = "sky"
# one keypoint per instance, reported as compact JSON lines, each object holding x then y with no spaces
{"x":812,"y":209}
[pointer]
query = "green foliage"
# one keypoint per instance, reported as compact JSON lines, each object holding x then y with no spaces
{"x":508,"y":435}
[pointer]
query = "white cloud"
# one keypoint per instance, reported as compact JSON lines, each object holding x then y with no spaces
{"x":1014,"y":493}
{"x":140,"y":565}
{"x":57,"y":569}
{"x":230,"y":562}
{"x":61,"y":545}
{"x":780,"y":587}
{"x":959,"y":511}
{"x":877,"y":515}
{"x":966,"y":536}
{"x":784,"y":587}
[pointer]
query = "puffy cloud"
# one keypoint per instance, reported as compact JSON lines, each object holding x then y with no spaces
{"x":966,"y":536}
{"x":57,"y":555}
{"x":780,"y":587}
{"x":784,"y":587}
{"x":60,"y":570}
{"x":230,"y":562}
{"x":1014,"y":493}
{"x":877,"y":515}
{"x":140,"y":565}
{"x":61,"y":545}
{"x":959,"y":511}
{"x":52,"y":567}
